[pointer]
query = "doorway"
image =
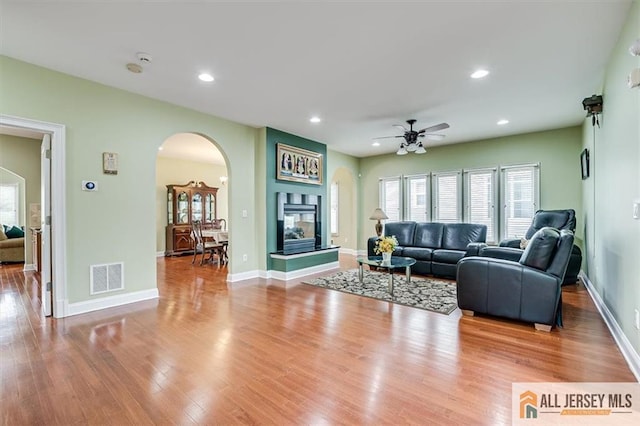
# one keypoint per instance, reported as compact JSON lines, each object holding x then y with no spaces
{"x":55,"y":190}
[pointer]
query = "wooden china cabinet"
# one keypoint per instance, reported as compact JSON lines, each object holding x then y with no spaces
{"x":185,"y":204}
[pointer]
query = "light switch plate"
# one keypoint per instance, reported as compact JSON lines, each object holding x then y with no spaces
{"x":636,"y":209}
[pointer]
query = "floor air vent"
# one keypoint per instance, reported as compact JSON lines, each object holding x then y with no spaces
{"x":107,"y":277}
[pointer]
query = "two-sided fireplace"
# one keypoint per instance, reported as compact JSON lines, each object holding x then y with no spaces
{"x":299,"y":227}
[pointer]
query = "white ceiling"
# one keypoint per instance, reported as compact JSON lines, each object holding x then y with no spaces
{"x":360,"y":65}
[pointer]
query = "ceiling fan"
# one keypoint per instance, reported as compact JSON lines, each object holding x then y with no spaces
{"x":413,"y":138}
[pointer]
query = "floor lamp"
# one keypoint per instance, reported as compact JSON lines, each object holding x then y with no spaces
{"x":378,"y":215}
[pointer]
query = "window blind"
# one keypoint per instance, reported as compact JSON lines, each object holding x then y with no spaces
{"x":390,"y":201}
{"x":447,"y":191}
{"x":520,"y":197}
{"x":480,"y":200}
{"x":418,"y":198}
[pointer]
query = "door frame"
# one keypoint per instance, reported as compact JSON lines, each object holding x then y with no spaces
{"x":58,"y":203}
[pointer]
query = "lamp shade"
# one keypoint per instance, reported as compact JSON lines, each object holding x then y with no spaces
{"x":378,"y":214}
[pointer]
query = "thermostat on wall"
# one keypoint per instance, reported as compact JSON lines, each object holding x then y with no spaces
{"x":89,"y":185}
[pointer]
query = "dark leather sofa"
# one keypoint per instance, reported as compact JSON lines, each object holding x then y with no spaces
{"x":509,"y":249}
{"x":437,"y":247}
{"x":528,"y":290}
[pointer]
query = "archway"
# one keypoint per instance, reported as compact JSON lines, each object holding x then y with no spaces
{"x":184,"y":158}
{"x":345,"y":210}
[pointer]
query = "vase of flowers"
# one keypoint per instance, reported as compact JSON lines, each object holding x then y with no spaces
{"x":385,"y":246}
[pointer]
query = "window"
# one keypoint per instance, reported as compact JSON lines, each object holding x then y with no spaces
{"x":418,"y":198}
{"x":520,"y":198}
{"x":480,"y":200}
{"x":334,"y":208}
{"x":390,"y":201}
{"x":446,"y":197}
{"x":9,"y":204}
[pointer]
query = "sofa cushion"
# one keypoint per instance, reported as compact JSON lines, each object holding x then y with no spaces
{"x":541,"y":248}
{"x":418,"y":253}
{"x":403,"y":231}
{"x":447,"y":256}
{"x":458,"y":235}
{"x":428,"y":235}
{"x":14,"y":232}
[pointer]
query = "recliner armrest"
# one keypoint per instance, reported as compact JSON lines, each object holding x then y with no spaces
{"x":473,"y":249}
{"x":510,"y":242}
{"x":506,"y":253}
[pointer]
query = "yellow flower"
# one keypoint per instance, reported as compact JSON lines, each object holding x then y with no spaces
{"x":386,"y":245}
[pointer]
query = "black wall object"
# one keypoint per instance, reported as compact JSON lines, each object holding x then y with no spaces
{"x":584,"y":163}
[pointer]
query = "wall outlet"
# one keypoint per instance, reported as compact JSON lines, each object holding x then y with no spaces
{"x":245,"y":213}
{"x":245,"y":257}
{"x":636,"y":321}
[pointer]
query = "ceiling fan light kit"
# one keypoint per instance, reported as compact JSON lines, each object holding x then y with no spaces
{"x":411,"y":137}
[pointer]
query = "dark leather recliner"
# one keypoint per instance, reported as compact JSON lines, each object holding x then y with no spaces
{"x":528,"y":290}
{"x":509,"y":249}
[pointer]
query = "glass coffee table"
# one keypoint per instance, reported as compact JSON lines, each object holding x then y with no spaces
{"x":396,"y":262}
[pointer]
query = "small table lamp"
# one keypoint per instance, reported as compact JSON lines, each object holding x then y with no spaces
{"x":378,"y":215}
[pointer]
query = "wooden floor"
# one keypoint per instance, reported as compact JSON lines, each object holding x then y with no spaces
{"x":262,"y":352}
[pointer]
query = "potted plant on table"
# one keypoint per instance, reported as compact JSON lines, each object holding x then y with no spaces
{"x":385,"y":246}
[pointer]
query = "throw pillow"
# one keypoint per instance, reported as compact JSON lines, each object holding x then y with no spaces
{"x":524,"y":243}
{"x":3,"y":236}
{"x":14,"y":232}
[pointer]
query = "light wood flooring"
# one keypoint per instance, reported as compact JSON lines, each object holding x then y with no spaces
{"x":262,"y":352}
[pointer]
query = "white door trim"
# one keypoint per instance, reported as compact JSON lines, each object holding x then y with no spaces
{"x":58,"y":203}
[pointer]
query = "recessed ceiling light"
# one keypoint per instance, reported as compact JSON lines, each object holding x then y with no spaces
{"x":160,"y":148}
{"x":480,"y":74}
{"x":376,"y":144}
{"x":315,"y":119}
{"x":206,"y":77}
{"x":502,"y":122}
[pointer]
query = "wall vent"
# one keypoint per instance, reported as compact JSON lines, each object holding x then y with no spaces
{"x":107,"y":277}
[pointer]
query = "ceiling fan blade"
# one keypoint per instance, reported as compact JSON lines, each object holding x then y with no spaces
{"x":435,"y":128}
{"x":401,"y":127}
{"x":388,"y":137}
{"x":433,"y":136}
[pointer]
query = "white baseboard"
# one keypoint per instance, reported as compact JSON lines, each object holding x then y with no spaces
{"x":160,"y":254}
{"x":241,"y":276}
{"x":110,"y":302}
{"x":362,"y":252}
{"x":628,"y":352}
{"x":29,"y":267}
{"x":352,"y":252}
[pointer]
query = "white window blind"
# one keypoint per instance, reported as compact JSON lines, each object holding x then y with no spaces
{"x":9,"y":204}
{"x":480,"y":200}
{"x":418,"y":198}
{"x":334,"y":208}
{"x":390,"y":201}
{"x":520,"y":198}
{"x":447,"y":193}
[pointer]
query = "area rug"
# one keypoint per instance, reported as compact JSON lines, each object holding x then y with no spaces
{"x":425,"y":293}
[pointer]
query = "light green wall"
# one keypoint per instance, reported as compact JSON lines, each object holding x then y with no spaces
{"x":177,"y":171}
{"x":557,"y":151}
{"x":612,"y":249}
{"x":21,"y":156}
{"x":117,"y":223}
{"x":344,"y":170}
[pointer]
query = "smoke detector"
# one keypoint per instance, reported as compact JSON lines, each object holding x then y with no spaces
{"x":145,"y":58}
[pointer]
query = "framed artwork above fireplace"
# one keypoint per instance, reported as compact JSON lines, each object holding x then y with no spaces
{"x":298,"y":165}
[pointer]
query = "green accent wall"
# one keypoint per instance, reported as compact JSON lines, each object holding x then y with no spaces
{"x":612,"y":248}
{"x":273,"y":186}
{"x":557,"y":151}
{"x":288,"y":265}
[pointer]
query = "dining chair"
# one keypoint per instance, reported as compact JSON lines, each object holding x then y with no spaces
{"x":200,"y":245}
